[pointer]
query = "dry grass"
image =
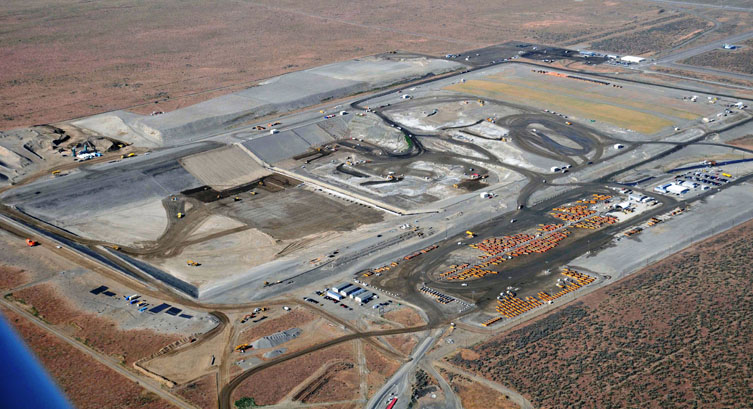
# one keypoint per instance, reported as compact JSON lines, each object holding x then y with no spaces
{"x":654,"y":39}
{"x":201,"y":392}
{"x":380,"y":368}
{"x":271,"y":385}
{"x":66,"y":59}
{"x":600,"y":94}
{"x":404,"y":343}
{"x":726,"y":60}
{"x":405,"y":316}
{"x":744,"y":142}
{"x":622,"y":117}
{"x":86,"y":382}
{"x":12,"y":277}
{"x":96,"y":332}
{"x":474,"y":395}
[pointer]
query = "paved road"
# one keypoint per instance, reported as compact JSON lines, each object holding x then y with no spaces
{"x":703,"y":5}
{"x":104,"y":360}
{"x":514,"y":396}
{"x":714,"y":45}
{"x":398,"y":384}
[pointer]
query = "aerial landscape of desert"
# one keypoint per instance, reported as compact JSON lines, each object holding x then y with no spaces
{"x":378,"y":205}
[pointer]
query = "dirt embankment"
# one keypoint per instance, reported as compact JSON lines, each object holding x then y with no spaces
{"x":201,"y":392}
{"x":271,"y":385}
{"x":405,"y":316}
{"x":474,"y":395}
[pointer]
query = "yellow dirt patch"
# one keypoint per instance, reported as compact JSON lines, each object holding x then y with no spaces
{"x":640,"y":104}
{"x":622,"y":117}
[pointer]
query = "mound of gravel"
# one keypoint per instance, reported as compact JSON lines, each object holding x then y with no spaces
{"x":275,"y":353}
{"x":271,"y":341}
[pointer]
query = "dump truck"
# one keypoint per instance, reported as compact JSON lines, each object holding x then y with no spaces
{"x":31,"y":243}
{"x":192,"y":263}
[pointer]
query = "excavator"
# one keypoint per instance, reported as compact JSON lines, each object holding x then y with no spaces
{"x":243,"y":347}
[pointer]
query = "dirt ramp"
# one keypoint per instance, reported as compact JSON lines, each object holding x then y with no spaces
{"x":224,"y":168}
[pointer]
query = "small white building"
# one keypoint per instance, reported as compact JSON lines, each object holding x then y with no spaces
{"x":632,"y":59}
{"x":333,"y":295}
{"x":677,"y":189}
{"x":662,"y":188}
{"x":364,"y":297}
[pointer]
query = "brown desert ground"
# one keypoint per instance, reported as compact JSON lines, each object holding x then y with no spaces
{"x":45,"y":302}
{"x":728,"y":60}
{"x":86,"y":382}
{"x":201,"y":392}
{"x":66,"y":59}
{"x":273,"y":384}
{"x":474,"y":395}
{"x":673,"y":335}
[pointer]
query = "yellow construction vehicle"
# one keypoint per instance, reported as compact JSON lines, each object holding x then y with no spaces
{"x":242,"y":347}
{"x":56,"y":172}
{"x":180,"y":215}
{"x":470,"y":234}
{"x":192,"y":263}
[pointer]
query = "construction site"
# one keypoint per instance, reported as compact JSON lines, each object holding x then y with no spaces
{"x":334,"y":226}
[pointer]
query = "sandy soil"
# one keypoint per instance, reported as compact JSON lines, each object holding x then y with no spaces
{"x":87,"y":383}
{"x":297,"y":317}
{"x":402,"y":342}
{"x":406,"y":316}
{"x":314,"y":330}
{"x":744,"y":142}
{"x":101,"y":334}
{"x":185,"y":365}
